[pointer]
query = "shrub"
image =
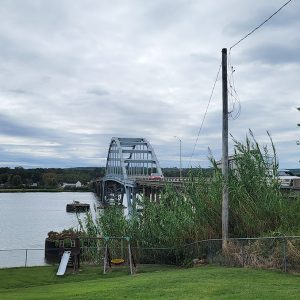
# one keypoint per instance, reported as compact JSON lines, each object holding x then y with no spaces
{"x":181,"y":216}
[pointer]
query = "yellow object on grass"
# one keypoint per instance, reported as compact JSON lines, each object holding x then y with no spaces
{"x":117,"y":261}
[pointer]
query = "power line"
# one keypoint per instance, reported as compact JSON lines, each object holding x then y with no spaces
{"x":232,"y":93}
{"x":231,"y":80}
{"x":200,"y":129}
{"x":277,"y":11}
{"x":232,"y":90}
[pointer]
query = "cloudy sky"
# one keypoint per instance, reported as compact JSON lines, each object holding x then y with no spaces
{"x":74,"y":73}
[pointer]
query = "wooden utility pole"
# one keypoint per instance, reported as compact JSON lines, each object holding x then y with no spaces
{"x":225,"y":150}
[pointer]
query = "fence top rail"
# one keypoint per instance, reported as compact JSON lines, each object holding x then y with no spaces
{"x":268,"y":237}
{"x":249,"y":238}
{"x":152,"y":248}
{"x":166,"y":248}
{"x":22,"y":249}
{"x":102,"y":238}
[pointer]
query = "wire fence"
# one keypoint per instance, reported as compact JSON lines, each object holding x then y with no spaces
{"x":10,"y":258}
{"x":281,"y":253}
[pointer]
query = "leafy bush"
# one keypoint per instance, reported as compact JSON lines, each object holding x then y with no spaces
{"x":181,"y":216}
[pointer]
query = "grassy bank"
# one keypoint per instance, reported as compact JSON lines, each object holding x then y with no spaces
{"x":151,"y":282}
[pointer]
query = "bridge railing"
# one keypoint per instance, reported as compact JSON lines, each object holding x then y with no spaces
{"x":163,"y":179}
{"x":176,"y":179}
{"x":146,"y":178}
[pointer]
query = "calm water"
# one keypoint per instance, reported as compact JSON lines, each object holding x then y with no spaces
{"x":26,"y":218}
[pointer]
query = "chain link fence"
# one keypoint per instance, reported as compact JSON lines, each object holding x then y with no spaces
{"x":282,"y":253}
{"x":10,"y":258}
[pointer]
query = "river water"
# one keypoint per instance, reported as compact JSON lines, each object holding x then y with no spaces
{"x":26,"y":219}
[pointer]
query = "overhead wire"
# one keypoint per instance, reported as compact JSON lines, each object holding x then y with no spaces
{"x":233,"y":95}
{"x":205,"y":113}
{"x":232,"y":89}
{"x":235,"y":110}
{"x":256,"y":28}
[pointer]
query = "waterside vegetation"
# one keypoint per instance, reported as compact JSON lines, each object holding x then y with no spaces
{"x":182,"y":216}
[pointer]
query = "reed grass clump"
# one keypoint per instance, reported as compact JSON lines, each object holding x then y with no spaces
{"x":182,"y":216}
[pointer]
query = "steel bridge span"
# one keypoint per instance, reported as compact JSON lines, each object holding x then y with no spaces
{"x":132,"y":169}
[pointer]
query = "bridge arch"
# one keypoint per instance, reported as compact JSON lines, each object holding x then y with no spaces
{"x":128,"y":160}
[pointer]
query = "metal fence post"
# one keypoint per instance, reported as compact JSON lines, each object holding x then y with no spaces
{"x":26,"y":258}
{"x":284,"y":254}
{"x":243,"y":259}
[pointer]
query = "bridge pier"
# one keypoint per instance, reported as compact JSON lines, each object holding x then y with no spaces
{"x":129,"y":196}
{"x":97,"y":185}
{"x":126,"y":193}
{"x":151,"y":192}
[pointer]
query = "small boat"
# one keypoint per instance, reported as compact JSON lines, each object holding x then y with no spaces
{"x":76,"y":206}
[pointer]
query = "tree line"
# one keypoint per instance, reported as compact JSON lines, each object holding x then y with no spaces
{"x":53,"y":177}
{"x":47,"y":177}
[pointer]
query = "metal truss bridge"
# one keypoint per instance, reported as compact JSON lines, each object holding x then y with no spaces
{"x":132,"y":168}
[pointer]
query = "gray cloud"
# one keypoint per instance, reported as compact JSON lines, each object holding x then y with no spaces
{"x":97,"y":92}
{"x":14,"y":128}
{"x":274,"y":53}
{"x":74,"y":74}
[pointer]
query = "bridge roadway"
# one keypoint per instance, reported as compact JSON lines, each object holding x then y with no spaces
{"x":148,"y":181}
{"x":109,"y":190}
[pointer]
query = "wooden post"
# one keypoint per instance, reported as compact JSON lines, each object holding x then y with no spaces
{"x":225,"y":150}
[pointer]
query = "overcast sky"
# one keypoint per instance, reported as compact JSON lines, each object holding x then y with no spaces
{"x":74,"y":73}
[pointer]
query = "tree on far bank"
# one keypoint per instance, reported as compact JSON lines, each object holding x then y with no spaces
{"x":16,"y":180}
{"x":50,"y":179}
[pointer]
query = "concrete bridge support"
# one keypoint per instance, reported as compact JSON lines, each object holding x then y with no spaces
{"x":151,"y":192}
{"x":130,"y":195}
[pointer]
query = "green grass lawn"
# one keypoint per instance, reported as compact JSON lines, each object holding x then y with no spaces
{"x":151,"y":282}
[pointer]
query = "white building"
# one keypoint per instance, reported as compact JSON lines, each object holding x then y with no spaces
{"x":72,"y":185}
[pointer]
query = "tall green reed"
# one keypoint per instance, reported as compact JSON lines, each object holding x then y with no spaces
{"x":256,"y":204}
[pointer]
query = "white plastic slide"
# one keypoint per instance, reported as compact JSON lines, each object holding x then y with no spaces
{"x":63,"y":263}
